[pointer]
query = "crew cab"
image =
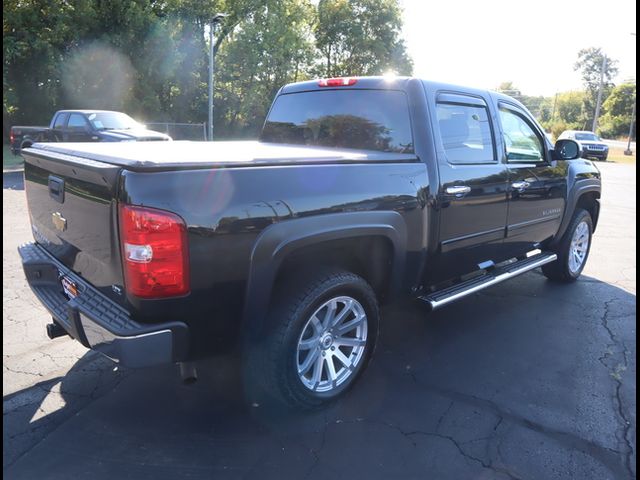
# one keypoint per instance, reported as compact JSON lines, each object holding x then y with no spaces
{"x":84,"y":126}
{"x":592,"y":145}
{"x":359,"y":191}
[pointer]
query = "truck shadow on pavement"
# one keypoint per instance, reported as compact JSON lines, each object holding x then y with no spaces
{"x":527,"y":380}
{"x":13,"y":180}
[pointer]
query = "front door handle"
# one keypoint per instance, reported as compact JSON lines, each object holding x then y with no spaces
{"x":458,"y":190}
{"x":520,"y":186}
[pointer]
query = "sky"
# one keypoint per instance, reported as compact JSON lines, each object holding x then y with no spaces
{"x":482,"y":43}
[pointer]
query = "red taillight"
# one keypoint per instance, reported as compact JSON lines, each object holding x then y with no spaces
{"x":154,"y":252}
{"x":11,"y":137}
{"x":337,"y":82}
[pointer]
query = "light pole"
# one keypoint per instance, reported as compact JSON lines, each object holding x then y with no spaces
{"x":633,"y":119}
{"x":212,"y":25}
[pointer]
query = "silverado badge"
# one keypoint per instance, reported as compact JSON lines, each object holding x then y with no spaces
{"x":59,"y":221}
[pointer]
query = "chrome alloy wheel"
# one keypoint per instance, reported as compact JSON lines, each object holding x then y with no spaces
{"x":332,"y":344}
{"x":579,"y":247}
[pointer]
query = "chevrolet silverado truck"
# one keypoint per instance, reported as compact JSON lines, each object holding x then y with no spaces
{"x":359,"y":190}
{"x":83,"y":126}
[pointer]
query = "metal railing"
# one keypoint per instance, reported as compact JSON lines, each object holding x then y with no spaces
{"x":180,"y":131}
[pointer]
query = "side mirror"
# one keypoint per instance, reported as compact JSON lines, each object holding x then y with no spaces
{"x":566,"y":149}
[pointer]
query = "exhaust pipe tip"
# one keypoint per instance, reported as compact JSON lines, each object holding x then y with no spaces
{"x":188,"y":372}
{"x":54,"y":330}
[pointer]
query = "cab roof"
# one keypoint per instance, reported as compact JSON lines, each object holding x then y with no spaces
{"x":402,"y":83}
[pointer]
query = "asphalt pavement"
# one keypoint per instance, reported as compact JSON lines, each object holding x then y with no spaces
{"x":526,"y":380}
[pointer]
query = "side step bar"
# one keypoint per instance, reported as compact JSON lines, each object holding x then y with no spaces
{"x":443,"y":297}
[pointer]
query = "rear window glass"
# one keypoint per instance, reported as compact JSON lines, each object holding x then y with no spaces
{"x":362,"y":119}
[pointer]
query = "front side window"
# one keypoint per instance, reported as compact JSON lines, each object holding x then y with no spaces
{"x":363,"y":119}
{"x":522,"y":142}
{"x":466,"y":133}
{"x":76,"y":122}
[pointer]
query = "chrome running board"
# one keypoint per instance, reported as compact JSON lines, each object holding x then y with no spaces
{"x":443,"y":297}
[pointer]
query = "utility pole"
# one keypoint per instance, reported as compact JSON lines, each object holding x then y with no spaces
{"x":555,"y":102}
{"x":633,"y":119}
{"x":212,"y":25}
{"x":599,"y":101}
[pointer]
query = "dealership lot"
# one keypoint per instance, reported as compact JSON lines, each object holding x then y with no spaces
{"x":528,"y":379}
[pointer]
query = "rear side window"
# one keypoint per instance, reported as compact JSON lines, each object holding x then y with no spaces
{"x":466,"y":133}
{"x":362,"y":119}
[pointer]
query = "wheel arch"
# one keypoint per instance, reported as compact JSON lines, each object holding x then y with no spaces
{"x":584,"y":194}
{"x":279,"y":242}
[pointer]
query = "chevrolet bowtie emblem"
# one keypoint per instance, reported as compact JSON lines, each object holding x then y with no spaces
{"x":59,"y":221}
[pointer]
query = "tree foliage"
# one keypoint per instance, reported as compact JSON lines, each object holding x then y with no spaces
{"x":150,"y":57}
{"x":590,"y":64}
{"x":272,"y":48}
{"x":574,"y":110}
{"x":361,"y":37}
{"x":618,"y":111}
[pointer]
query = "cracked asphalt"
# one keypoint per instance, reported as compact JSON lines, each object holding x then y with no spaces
{"x":526,"y":380}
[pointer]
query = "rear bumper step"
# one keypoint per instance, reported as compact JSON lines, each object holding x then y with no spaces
{"x":96,"y":321}
{"x":443,"y":297}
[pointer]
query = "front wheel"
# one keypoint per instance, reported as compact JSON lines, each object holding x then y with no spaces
{"x":321,"y":335}
{"x":573,"y":250}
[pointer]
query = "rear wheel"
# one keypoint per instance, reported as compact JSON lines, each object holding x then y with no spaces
{"x":573,"y":249}
{"x":321,"y":335}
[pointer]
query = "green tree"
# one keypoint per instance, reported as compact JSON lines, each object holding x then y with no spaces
{"x":361,"y":37}
{"x":589,"y":64}
{"x":35,"y":36}
{"x":533,"y":103}
{"x":618,"y":110}
{"x":272,"y":47}
{"x":570,"y":108}
{"x":150,"y":57}
{"x":508,"y":88}
{"x":567,"y":112}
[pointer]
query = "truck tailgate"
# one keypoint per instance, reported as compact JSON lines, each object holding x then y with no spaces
{"x":73,"y":211}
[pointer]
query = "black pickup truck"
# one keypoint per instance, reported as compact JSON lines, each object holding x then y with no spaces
{"x":360,"y":190}
{"x":83,"y":126}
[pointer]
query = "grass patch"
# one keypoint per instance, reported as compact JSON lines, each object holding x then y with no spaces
{"x":9,"y":160}
{"x":616,"y":154}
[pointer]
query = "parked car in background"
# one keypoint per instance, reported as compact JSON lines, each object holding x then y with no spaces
{"x":84,"y":126}
{"x":592,"y":145}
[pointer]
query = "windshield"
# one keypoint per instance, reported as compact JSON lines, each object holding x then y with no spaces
{"x":112,"y":121}
{"x":587,"y":136}
{"x":362,"y":119}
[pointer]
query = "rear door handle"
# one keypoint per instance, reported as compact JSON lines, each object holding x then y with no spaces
{"x":458,"y":190}
{"x":520,"y":185}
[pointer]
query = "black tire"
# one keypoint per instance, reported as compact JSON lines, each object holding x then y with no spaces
{"x":271,"y":363}
{"x":560,"y":270}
